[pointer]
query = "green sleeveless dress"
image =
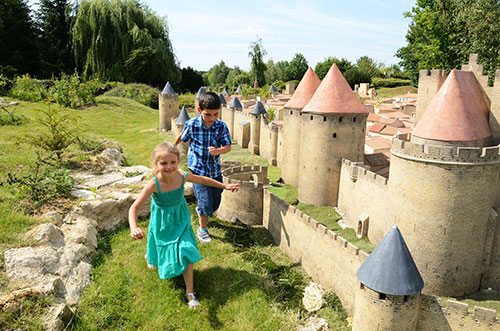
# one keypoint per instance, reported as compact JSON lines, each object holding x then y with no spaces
{"x":171,"y":241}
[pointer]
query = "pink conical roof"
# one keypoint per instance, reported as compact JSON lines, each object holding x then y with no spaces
{"x":304,"y":91}
{"x":334,"y":95}
{"x":458,"y":112}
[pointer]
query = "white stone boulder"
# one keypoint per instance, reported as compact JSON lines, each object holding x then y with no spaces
{"x":314,"y":297}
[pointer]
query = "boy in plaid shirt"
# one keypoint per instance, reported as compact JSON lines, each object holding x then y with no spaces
{"x":209,"y":138}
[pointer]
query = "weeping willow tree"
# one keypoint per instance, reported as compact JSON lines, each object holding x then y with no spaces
{"x":123,"y":40}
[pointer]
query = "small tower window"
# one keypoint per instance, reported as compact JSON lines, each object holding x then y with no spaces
{"x":405,"y":298}
{"x":291,"y":112}
{"x":354,"y":119}
{"x":382,"y":296}
{"x":324,"y":118}
{"x":312,"y":117}
{"x":335,"y":135}
{"x":340,"y":119}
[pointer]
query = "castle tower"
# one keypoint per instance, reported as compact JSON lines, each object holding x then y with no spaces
{"x":291,"y":126}
{"x":388,"y":297}
{"x":429,"y":82}
{"x":168,"y":106}
{"x":228,"y":115}
{"x":255,"y":116}
{"x":333,"y":126}
{"x":197,"y":97}
{"x":225,"y":91}
{"x":273,"y":90}
{"x":443,"y":180}
{"x":223,"y":104}
{"x":179,"y":125}
{"x":238,"y":90}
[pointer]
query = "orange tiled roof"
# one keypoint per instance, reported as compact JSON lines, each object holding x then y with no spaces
{"x":304,"y":92}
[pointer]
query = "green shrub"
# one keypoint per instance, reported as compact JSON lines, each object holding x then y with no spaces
{"x":272,"y":114}
{"x":71,"y":91}
{"x":280,"y":85}
{"x":29,"y":89}
{"x":186,"y":100}
{"x":142,"y":93}
{"x":5,"y":85}
{"x":91,"y":146}
{"x":9,"y":117}
{"x":389,"y":82}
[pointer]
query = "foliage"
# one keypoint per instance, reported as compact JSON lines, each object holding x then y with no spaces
{"x":443,"y":33}
{"x":59,"y":131}
{"x":142,"y":93}
{"x":272,"y":114}
{"x":256,"y":54}
{"x":280,"y":85}
{"x":54,"y":20}
{"x":28,"y":315}
{"x":91,"y":146}
{"x":43,"y":183}
{"x":191,"y":80}
{"x":123,"y":40}
{"x":18,"y":37}
{"x":246,"y":91}
{"x":297,"y":68}
{"x":186,"y":100}
{"x":369,"y":66}
{"x":5,"y":85}
{"x":217,"y":74}
{"x":355,"y":76}
{"x":389,"y":82}
{"x":29,"y":89}
{"x":322,"y":67}
{"x":231,"y":76}
{"x":71,"y":91}
{"x":234,"y":79}
{"x":9,"y":116}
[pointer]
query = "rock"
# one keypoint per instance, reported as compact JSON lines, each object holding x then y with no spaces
{"x":85,"y":194}
{"x":315,"y":324}
{"x":188,"y":190}
{"x":313,"y":299}
{"x":97,"y":181}
{"x":130,"y":180}
{"x":112,"y":145}
{"x":58,"y":317}
{"x":31,"y":264}
{"x":47,"y":234}
{"x":110,"y":157}
{"x":53,"y":217}
{"x":77,"y":281}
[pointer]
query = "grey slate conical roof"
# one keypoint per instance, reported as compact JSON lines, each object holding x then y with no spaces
{"x":200,"y":92}
{"x":235,"y":103}
{"x":272,"y":89}
{"x":258,"y":109}
{"x":226,"y":92}
{"x":183,"y":117}
{"x":168,"y":89}
{"x":390,"y":269}
{"x":222,"y":99}
{"x":238,"y":90}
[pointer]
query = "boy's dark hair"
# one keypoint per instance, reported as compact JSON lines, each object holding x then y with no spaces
{"x":209,"y":100}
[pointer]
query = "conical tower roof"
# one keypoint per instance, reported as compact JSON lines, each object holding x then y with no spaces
{"x":334,"y":95}
{"x":304,"y":92}
{"x":183,"y":117}
{"x":222,"y":99}
{"x":238,"y":90}
{"x":200,"y":92}
{"x":258,"y":109}
{"x":235,"y":103}
{"x":390,"y":269}
{"x":168,"y":89}
{"x":458,"y":112}
{"x":226,"y":92}
{"x":272,"y":89}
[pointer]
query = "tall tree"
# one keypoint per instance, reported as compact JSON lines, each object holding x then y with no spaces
{"x":17,"y":37}
{"x":322,"y":67}
{"x":124,"y":40}
{"x":443,"y":33}
{"x":369,"y":66}
{"x":217,"y":74}
{"x":191,"y":80}
{"x":231,"y":77}
{"x":256,"y":54}
{"x":54,"y":21}
{"x":297,"y":68}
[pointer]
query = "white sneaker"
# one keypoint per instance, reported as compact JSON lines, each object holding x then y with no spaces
{"x":203,"y":236}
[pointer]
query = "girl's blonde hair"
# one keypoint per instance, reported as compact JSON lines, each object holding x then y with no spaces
{"x":165,"y":147}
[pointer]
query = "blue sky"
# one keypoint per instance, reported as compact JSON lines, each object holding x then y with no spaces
{"x":205,"y":32}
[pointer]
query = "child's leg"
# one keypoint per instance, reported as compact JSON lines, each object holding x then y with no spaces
{"x":203,"y":221}
{"x":188,"y":279}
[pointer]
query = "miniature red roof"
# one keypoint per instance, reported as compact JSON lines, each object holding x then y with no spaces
{"x":304,"y":92}
{"x":373,"y":117}
{"x":377,"y":127}
{"x":334,"y":96}
{"x":378,"y":143}
{"x":458,"y":112}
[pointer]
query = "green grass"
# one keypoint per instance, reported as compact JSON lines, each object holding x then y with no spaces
{"x":28,"y":315}
{"x":487,"y":299}
{"x":389,"y":92}
{"x":243,"y":282}
{"x":324,"y":215}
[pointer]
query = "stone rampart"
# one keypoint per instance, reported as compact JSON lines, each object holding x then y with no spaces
{"x":454,"y":316}
{"x":268,"y":142}
{"x":404,"y":148}
{"x":429,"y":82}
{"x":364,"y":193}
{"x":239,"y":117}
{"x":326,"y":256}
{"x":279,"y":148}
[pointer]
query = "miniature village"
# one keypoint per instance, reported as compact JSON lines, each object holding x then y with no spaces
{"x":416,"y":174}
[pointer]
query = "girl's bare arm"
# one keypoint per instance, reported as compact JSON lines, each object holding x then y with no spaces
{"x":211,"y":182}
{"x":135,"y":231}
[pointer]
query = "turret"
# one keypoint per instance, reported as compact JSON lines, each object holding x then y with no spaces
{"x":177,"y":128}
{"x":388,"y":295}
{"x":223,"y":104}
{"x":443,"y":181}
{"x":333,"y":126}
{"x":168,"y":106}
{"x":292,"y":126}
{"x":198,"y":95}
{"x":255,"y":116}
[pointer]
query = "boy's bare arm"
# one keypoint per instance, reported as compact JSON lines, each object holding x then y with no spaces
{"x":218,"y":151}
{"x":178,"y":139}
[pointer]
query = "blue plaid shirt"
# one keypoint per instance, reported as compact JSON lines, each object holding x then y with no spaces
{"x":200,"y":161}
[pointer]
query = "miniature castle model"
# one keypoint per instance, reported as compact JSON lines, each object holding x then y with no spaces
{"x":168,"y":106}
{"x":443,"y":193}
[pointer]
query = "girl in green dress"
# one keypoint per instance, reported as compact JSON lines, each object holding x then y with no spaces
{"x":171,"y":241}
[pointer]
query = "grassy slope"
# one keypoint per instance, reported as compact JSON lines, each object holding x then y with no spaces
{"x":388,"y":92}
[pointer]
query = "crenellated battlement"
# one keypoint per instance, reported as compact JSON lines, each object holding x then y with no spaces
{"x":432,"y":74}
{"x":404,"y":148}
{"x":337,"y":239}
{"x":461,"y":310}
{"x":358,"y":172}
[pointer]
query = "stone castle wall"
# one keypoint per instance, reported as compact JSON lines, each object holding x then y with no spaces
{"x":429,"y":82}
{"x":291,"y":146}
{"x":168,"y":108}
{"x":228,"y":118}
{"x":279,"y":148}
{"x":268,"y":142}
{"x":239,"y":117}
{"x":362,"y":192}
